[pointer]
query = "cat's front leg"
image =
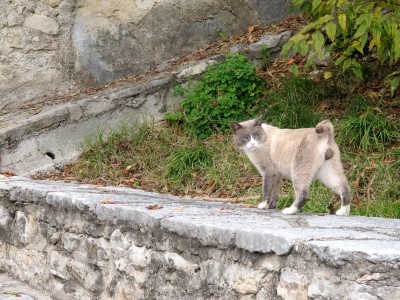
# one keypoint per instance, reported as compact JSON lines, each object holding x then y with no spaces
{"x":275,"y":192}
{"x":268,"y":184}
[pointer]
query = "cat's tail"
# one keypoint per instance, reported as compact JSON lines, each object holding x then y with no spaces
{"x":325,"y":128}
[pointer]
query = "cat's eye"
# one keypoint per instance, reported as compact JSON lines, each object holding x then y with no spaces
{"x":245,"y":138}
{"x":256,"y":136}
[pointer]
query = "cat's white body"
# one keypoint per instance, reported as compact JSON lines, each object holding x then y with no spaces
{"x":301,"y":155}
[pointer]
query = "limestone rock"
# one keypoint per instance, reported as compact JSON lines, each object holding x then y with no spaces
{"x":42,"y":23}
{"x":272,"y":42}
{"x":5,"y":217}
{"x":52,"y":3}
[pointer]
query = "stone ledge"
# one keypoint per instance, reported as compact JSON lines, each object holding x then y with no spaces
{"x":27,"y":140}
{"x":61,"y":220}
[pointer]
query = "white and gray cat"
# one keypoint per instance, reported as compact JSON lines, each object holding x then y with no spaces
{"x":301,"y":155}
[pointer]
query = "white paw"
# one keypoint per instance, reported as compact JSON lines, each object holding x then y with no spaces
{"x":290,"y":210}
{"x":263,"y":205}
{"x":343,"y":211}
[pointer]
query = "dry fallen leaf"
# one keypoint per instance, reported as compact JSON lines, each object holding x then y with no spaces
{"x":154,"y":207}
{"x":250,"y":29}
{"x":245,"y":205}
{"x":356,"y":200}
{"x":179,"y":208}
{"x":16,"y":294}
{"x":291,"y":61}
{"x":214,"y":214}
{"x":128,"y":167}
{"x":7,"y":173}
{"x":356,"y":183}
{"x":108,"y":201}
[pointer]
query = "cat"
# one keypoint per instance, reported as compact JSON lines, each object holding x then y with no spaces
{"x":301,"y":155}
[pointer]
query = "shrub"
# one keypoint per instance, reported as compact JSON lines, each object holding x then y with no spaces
{"x":349,"y":31}
{"x":227,"y":92}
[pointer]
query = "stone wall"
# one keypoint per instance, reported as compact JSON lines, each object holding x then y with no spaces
{"x":87,"y":242}
{"x":51,"y":48}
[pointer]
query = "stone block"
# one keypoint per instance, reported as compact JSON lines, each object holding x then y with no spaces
{"x":249,"y":282}
{"x":175,"y":261}
{"x":42,"y":23}
{"x":126,"y":255}
{"x":292,"y":285}
{"x":271,"y":42}
{"x":25,"y":227}
{"x":58,"y":265}
{"x":196,"y":69}
{"x":5,"y":217}
{"x":89,"y":278}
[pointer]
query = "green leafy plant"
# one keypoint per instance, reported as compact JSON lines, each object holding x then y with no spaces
{"x":227,"y":92}
{"x":349,"y":31}
{"x":265,"y":55}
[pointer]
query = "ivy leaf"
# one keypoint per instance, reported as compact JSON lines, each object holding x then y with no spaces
{"x":315,"y":4}
{"x":303,"y":47}
{"x":358,"y":72}
{"x":318,"y":40}
{"x":342,"y":21}
{"x":331,"y":31}
{"x":327,"y":75}
{"x":340,"y":60}
{"x":346,"y":64}
{"x":360,"y":31}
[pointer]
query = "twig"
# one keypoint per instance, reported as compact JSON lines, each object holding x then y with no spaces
{"x":230,"y":200}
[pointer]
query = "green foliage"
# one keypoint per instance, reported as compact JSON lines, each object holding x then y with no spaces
{"x":369,"y":131}
{"x":265,"y":53}
{"x":227,"y":92}
{"x":349,"y":31}
{"x":296,"y":104}
{"x":375,"y":180}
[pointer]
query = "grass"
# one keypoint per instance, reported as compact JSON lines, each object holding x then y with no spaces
{"x":163,"y":158}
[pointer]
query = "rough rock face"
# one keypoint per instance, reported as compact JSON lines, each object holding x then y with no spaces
{"x":66,"y":239}
{"x":51,"y":48}
{"x":36,"y":51}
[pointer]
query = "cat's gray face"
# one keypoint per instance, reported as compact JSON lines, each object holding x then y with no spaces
{"x":249,"y":135}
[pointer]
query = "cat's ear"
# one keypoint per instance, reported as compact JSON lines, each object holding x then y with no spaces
{"x":235,"y":126}
{"x":258,"y":121}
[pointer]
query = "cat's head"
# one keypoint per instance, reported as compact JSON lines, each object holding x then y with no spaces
{"x":249,"y":135}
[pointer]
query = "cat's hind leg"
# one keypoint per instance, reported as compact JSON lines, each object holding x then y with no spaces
{"x":331,"y":174}
{"x":301,"y":193}
{"x":303,"y":173}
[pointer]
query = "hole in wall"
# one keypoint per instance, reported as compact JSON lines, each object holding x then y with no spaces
{"x":51,"y":155}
